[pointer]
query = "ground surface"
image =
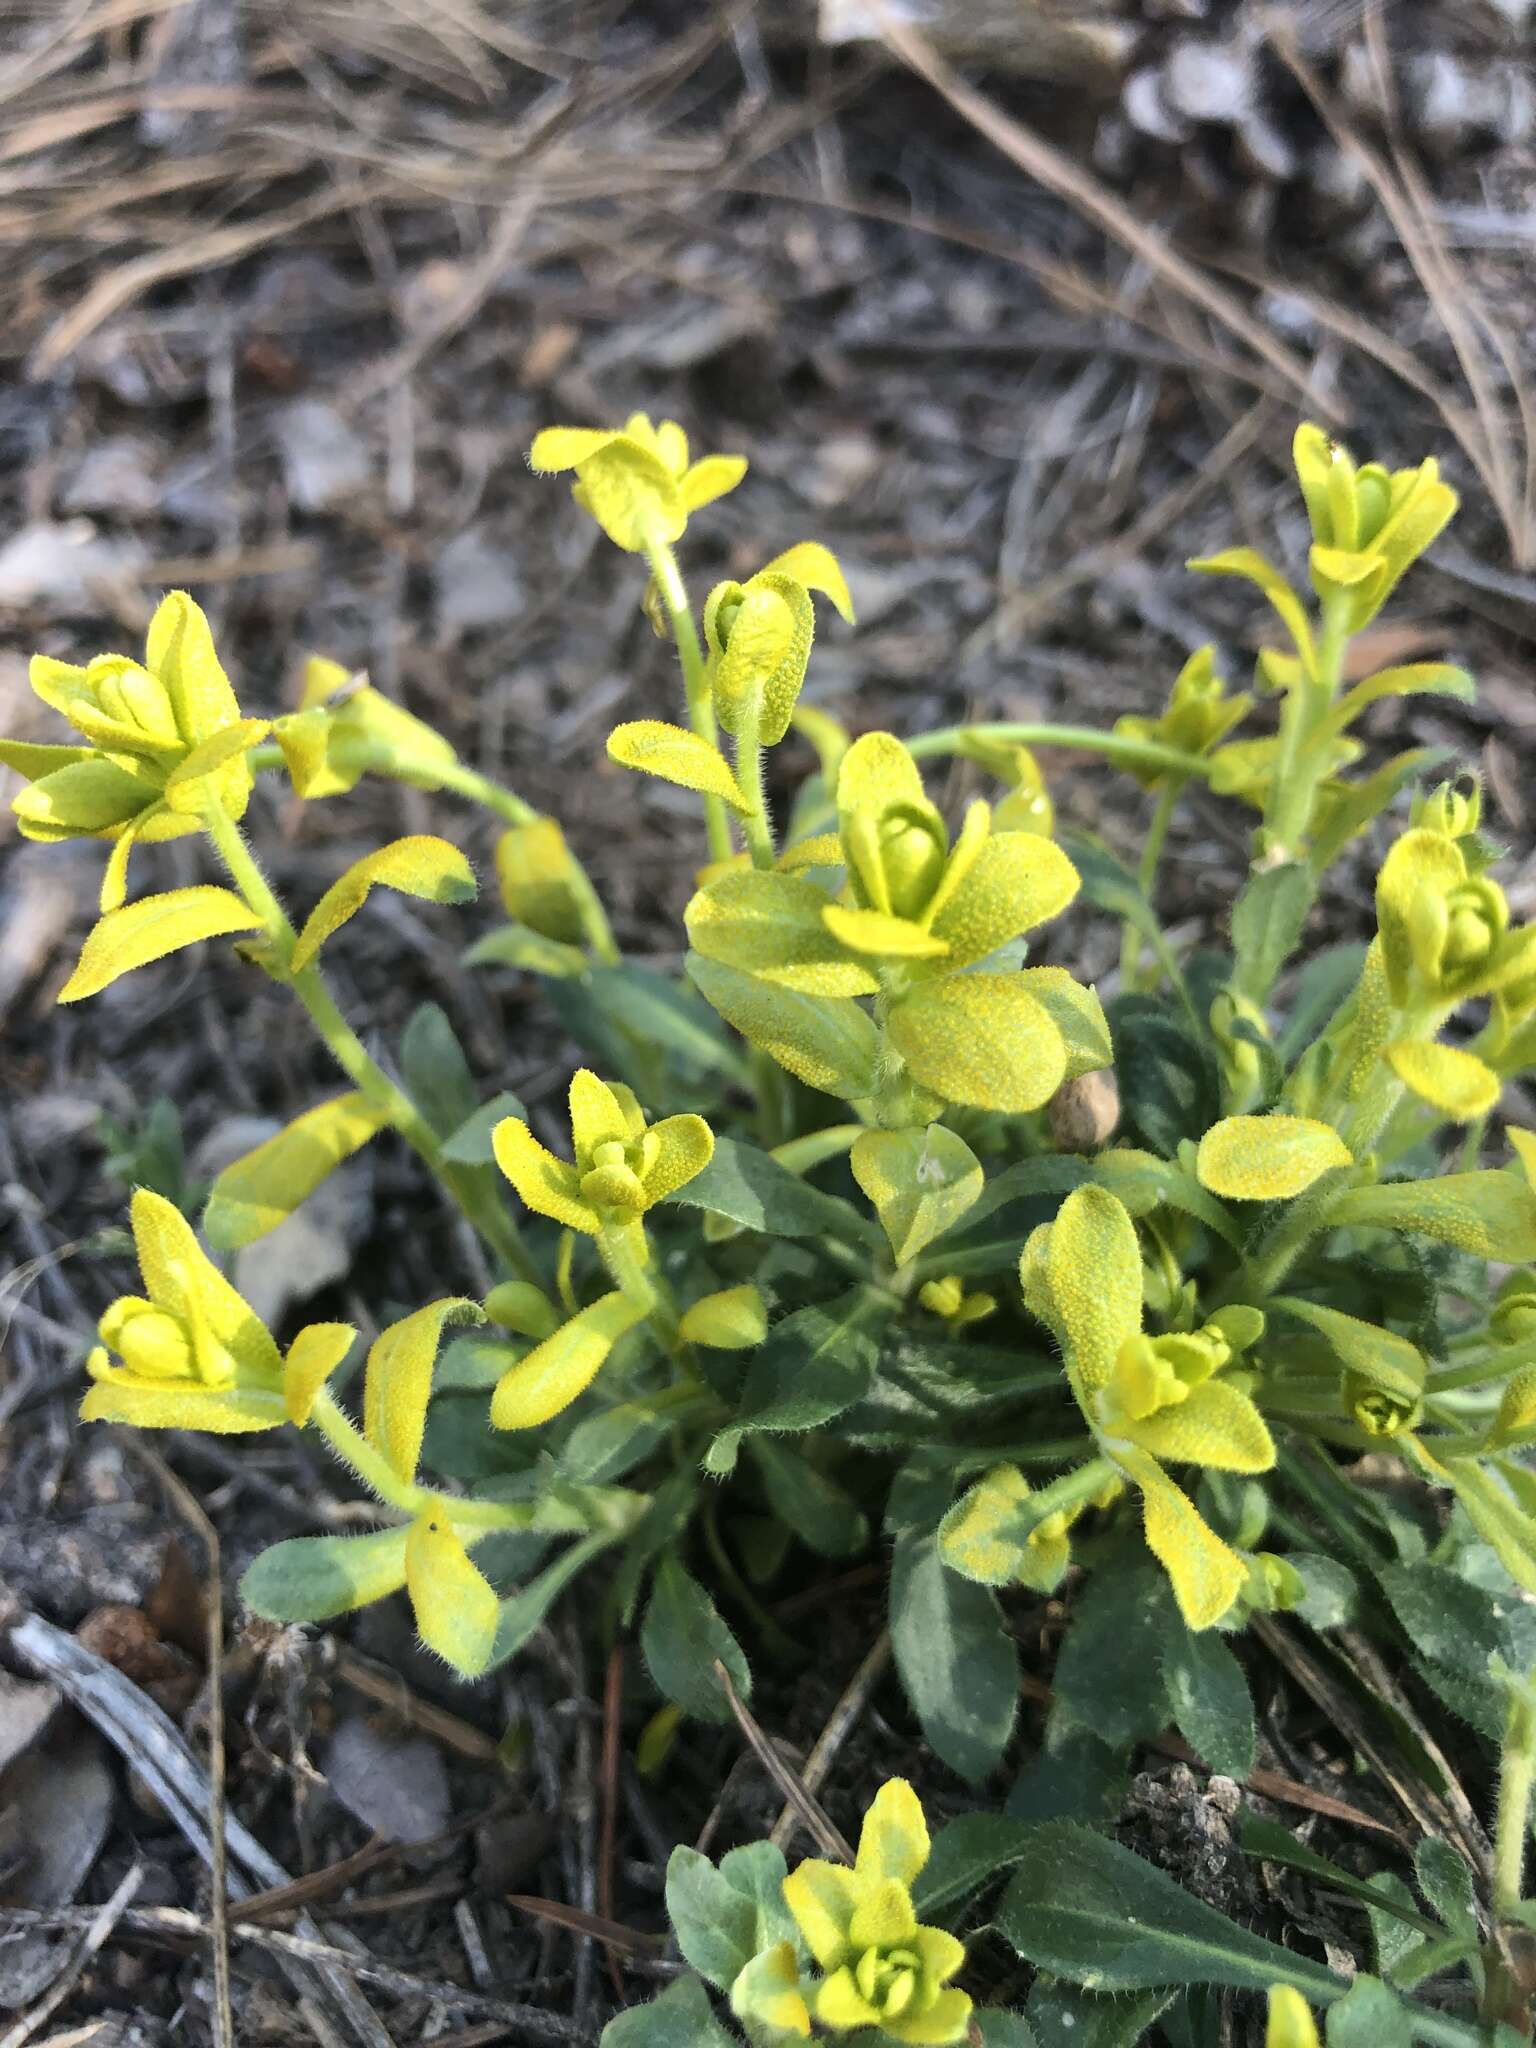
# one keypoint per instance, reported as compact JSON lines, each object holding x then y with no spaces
{"x":291,"y":305}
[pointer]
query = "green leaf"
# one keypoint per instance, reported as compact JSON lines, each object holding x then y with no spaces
{"x":1331,"y":1592}
{"x":824,"y":1517}
{"x":524,"y":1613}
{"x":1088,"y":1910}
{"x":681,"y":2018}
{"x":1170,"y":1088}
{"x":921,"y":1182}
{"x":1000,"y":2028}
{"x":967,"y":1853}
{"x":1267,"y":922}
{"x":656,"y":1010}
{"x":674,"y":754}
{"x":682,"y":1638}
{"x":470,"y":1143}
{"x":750,"y":1187}
{"x":420,"y":865}
{"x":1064,"y":2017}
{"x":1270,"y":1842}
{"x":311,"y":1578}
{"x":815,"y":1364}
{"x":1209,"y":1701}
{"x":150,"y":929}
{"x":827,"y":1042}
{"x":981,"y":1040}
{"x":958,"y":1664}
{"x":436,"y":1071}
{"x":1321,"y":986}
{"x":1110,"y":886}
{"x":255,"y":1194}
{"x":1108,"y":1675}
{"x":514,"y":945}
{"x":718,"y":1923}
{"x":1491,"y":1214}
{"x":1370,"y":2016}
{"x":1447,"y":1882}
{"x":1455,"y":1629}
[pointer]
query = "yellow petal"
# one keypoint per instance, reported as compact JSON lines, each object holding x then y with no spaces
{"x":944,"y":2022}
{"x":841,"y":2005}
{"x":815,"y":566}
{"x":1017,"y":881}
{"x":876,"y":772}
{"x":398,"y":1381}
{"x":893,"y":1845}
{"x":560,"y":1369}
{"x":980,"y":1040}
{"x":1448,"y":1079}
{"x":548,"y":1185}
{"x":676,"y":755}
{"x":417,"y":866}
{"x":179,"y":651}
{"x":1290,"y":2022}
{"x":150,"y":929}
{"x":732,"y":1319}
{"x":881,"y":935}
{"x":256,"y":1193}
{"x":684,"y":1147}
{"x":883,"y":1918}
{"x":1268,"y":1158}
{"x":1093,"y":1273}
{"x":598,"y":1115}
{"x":821,"y":1898}
{"x":1205,"y":1573}
{"x":179,"y":1276}
{"x":162,"y":1404}
{"x":456,"y":1610}
{"x":710,"y":478}
{"x":558,"y":448}
{"x":312,"y":1357}
{"x":1214,"y":1425}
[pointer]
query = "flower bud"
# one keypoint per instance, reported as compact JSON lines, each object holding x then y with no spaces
{"x":1513,"y":1320}
{"x":913,"y":850}
{"x":1377,"y":1411}
{"x":538,"y":880}
{"x":1455,"y":811}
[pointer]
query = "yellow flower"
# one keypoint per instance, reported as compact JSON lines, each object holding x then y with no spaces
{"x":163,"y":734}
{"x":1148,"y":1400}
{"x":882,"y":1969}
{"x":193,"y":1352}
{"x":917,"y":915}
{"x":1198,"y":717}
{"x":345,"y":729}
{"x":636,"y":481}
{"x":620,"y":1165}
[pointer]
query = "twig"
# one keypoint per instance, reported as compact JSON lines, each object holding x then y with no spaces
{"x":218,"y":1892}
{"x":378,"y":1682}
{"x":613,"y":1702}
{"x":142,"y":1733}
{"x":177,"y":1923}
{"x":825,"y":1834}
{"x":840,"y":1724}
{"x":96,"y":1934}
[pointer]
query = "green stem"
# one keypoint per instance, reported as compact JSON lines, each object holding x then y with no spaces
{"x":1123,"y":751}
{"x":701,"y":711}
{"x":779,"y":1644}
{"x":474,"y":1198}
{"x":1146,"y":876}
{"x":1517,"y":1778}
{"x":1486,"y":1371}
{"x":638,"y":1282}
{"x":359,"y":1456}
{"x":1303,"y":757}
{"x":501,"y":803}
{"x":749,"y":774}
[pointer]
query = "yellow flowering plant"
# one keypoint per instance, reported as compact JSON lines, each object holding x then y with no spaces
{"x":873,"y":1230}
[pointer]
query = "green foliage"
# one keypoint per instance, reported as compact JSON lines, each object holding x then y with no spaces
{"x":1230,"y":1230}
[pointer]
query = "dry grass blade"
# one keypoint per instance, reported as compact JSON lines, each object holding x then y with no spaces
{"x":145,"y":1737}
{"x":839,"y":1726}
{"x":96,"y":1935}
{"x":555,"y":1913}
{"x":826,"y":1835}
{"x":187,"y":1507}
{"x":1057,"y":172}
{"x":1486,"y":435}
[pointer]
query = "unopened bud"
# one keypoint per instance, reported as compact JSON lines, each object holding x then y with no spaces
{"x":1085,"y":1112}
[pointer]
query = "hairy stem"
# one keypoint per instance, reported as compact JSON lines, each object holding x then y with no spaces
{"x":474,"y":1198}
{"x":701,"y":712}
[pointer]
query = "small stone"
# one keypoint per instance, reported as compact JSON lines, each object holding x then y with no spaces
{"x":1084,"y":1112}
{"x":324,"y":459}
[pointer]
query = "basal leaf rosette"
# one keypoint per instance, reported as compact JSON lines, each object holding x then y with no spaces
{"x":162,"y":735}
{"x":190,"y":1352}
{"x":1150,"y":1401}
{"x":636,"y":481}
{"x":913,"y":925}
{"x":881,"y":1968}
